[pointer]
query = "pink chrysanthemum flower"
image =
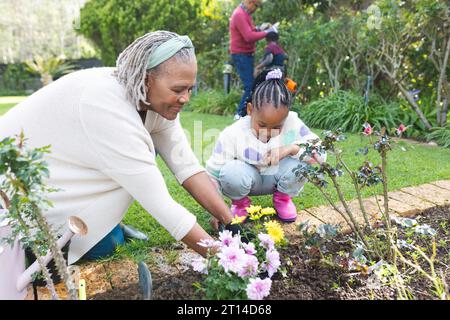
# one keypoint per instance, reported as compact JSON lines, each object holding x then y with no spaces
{"x":250,"y":267}
{"x":249,"y":248}
{"x":226,"y":238}
{"x":266,"y":241}
{"x":272,"y":262}
{"x":232,"y":258}
{"x":200,"y":265}
{"x":258,"y":289}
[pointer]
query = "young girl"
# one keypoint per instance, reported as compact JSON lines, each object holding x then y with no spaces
{"x":257,"y":154}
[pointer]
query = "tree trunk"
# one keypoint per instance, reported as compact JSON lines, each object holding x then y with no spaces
{"x":414,"y":105}
{"x":444,"y":86}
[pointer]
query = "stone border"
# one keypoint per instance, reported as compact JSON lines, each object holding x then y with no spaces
{"x":406,"y":202}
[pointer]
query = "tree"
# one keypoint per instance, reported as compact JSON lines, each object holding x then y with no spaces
{"x":113,"y":24}
{"x":422,"y":26}
{"x":434,"y":19}
{"x":48,"y":68}
{"x":40,"y":27}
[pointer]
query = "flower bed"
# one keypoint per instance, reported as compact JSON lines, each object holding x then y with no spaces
{"x":241,"y":266}
{"x":325,"y":272}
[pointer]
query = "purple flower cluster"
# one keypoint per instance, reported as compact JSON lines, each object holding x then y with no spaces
{"x":243,"y":260}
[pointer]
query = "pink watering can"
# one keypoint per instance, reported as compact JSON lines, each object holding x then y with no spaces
{"x":14,"y":279}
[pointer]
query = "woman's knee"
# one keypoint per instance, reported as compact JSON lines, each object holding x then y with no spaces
{"x":106,"y":246}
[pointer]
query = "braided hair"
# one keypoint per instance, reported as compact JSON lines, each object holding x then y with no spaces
{"x":269,"y":87}
{"x":131,"y":66}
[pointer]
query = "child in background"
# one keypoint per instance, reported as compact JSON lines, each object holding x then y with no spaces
{"x":274,"y":55}
{"x":256,"y":154}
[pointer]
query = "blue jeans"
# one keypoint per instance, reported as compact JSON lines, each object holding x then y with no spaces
{"x":107,"y":245}
{"x":244,"y":67}
{"x":238,"y":179}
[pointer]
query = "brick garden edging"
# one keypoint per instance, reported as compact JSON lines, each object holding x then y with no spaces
{"x":406,"y":202}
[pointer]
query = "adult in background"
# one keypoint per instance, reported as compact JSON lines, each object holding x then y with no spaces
{"x":243,"y":38}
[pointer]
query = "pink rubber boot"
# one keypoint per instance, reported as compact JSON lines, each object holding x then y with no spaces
{"x":238,"y":207}
{"x":284,"y":206}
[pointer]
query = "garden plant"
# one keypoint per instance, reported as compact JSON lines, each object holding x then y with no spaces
{"x":241,"y":266}
{"x":24,"y":194}
{"x":376,"y":241}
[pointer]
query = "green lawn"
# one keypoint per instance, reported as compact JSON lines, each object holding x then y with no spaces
{"x":419,"y":164}
{"x":7,"y":103}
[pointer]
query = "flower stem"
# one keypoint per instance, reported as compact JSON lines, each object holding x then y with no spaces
{"x":359,"y":233}
{"x":58,"y":257}
{"x":26,"y":231}
{"x":358,"y":193}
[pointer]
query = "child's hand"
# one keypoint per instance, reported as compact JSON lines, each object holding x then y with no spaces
{"x":257,"y":71}
{"x":315,"y":158}
{"x":275,"y":155}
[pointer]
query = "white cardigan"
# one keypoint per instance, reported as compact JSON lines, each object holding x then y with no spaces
{"x":102,"y":156}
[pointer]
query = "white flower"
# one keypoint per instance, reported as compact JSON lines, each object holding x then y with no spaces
{"x":272,"y":262}
{"x":266,"y":241}
{"x":200,"y":265}
{"x":258,"y":289}
{"x":232,"y":258}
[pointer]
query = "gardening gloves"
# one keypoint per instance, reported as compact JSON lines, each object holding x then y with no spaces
{"x":273,"y":28}
{"x":264,"y":26}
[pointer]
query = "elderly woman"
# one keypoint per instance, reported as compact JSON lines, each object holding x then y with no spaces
{"x":105,"y":127}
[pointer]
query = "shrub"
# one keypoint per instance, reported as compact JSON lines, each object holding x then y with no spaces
{"x":347,"y":110}
{"x":417,"y":127}
{"x":15,"y":79}
{"x":441,"y":135}
{"x":215,"y":102}
{"x":23,"y":191}
{"x":373,"y":248}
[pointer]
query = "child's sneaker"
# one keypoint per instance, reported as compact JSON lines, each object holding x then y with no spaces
{"x":284,"y":206}
{"x":238,"y":207}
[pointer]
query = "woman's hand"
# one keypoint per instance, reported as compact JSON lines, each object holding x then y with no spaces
{"x":204,"y":191}
{"x":275,"y":155}
{"x":194,"y":236}
{"x":214,"y":222}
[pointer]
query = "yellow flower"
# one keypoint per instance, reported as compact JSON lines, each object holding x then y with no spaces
{"x":253,"y":209}
{"x":237,"y":219}
{"x":255,"y":216}
{"x":275,"y":231}
{"x":268,"y":211}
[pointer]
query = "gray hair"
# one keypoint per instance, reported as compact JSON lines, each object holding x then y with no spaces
{"x":131,"y":66}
